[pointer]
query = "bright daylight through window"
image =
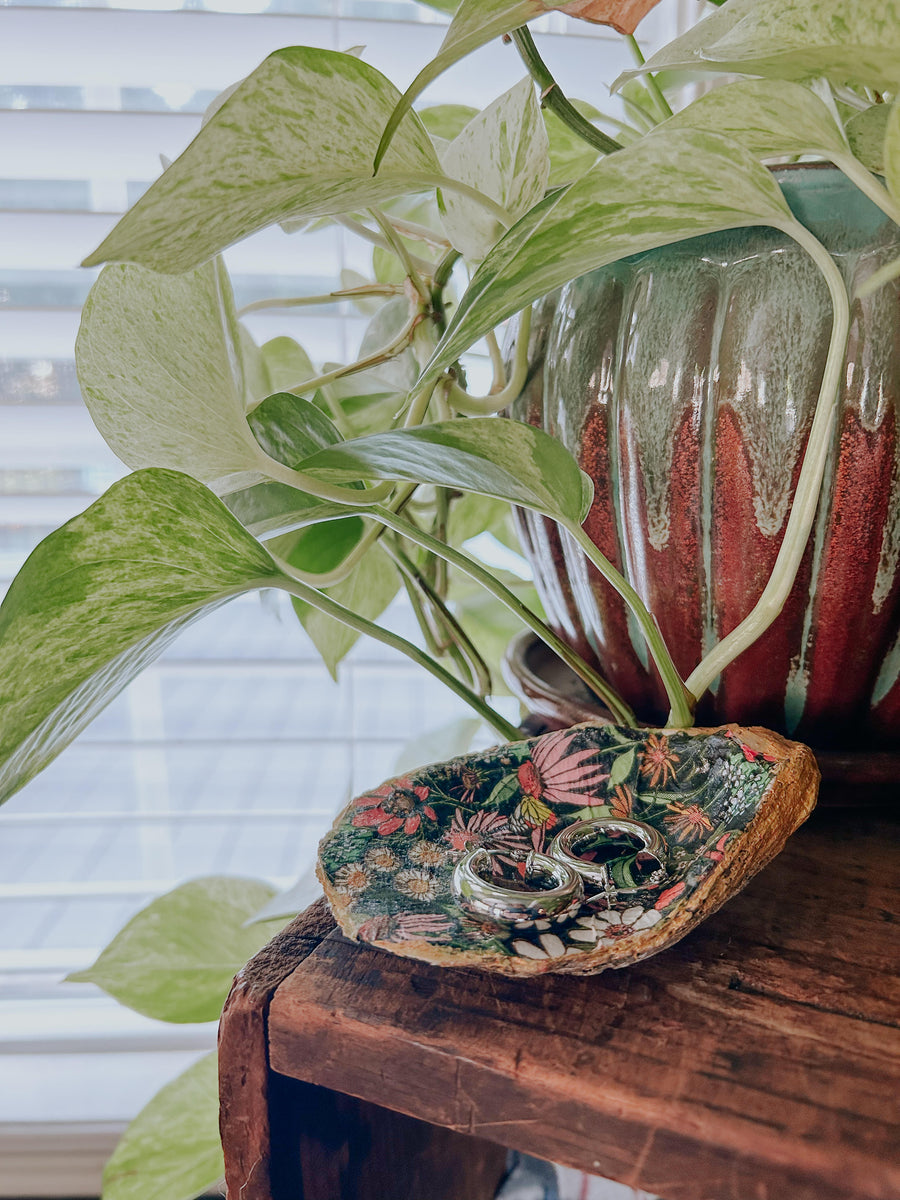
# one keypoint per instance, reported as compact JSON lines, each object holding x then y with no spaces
{"x":231,"y":754}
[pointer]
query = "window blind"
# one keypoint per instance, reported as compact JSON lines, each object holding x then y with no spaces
{"x":232,"y":752}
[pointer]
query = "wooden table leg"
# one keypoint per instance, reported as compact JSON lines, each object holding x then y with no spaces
{"x":328,"y":1146}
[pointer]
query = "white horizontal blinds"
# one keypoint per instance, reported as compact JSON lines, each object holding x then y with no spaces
{"x":230,"y":754}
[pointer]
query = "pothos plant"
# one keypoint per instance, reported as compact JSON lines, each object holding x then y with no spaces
{"x":256,"y":467}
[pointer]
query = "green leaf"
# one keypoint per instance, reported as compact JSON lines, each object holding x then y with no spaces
{"x":446,"y":6}
{"x":665,"y":188}
{"x":471,"y":515}
{"x":286,"y":363}
{"x":176,"y":958}
{"x":847,"y":41}
{"x":866,"y":132}
{"x":771,"y":118}
{"x":296,"y":139}
{"x":491,"y":456}
{"x":476,"y":23}
{"x":503,"y":153}
{"x":159,"y":363}
{"x":892,"y":151}
{"x":171,"y":1150}
{"x":268,"y":510}
{"x":290,"y":428}
{"x":101,"y":598}
{"x":447,"y":120}
{"x":621,"y":768}
{"x":367,"y":590}
{"x":320,"y":548}
{"x":398,"y":373}
{"x":508,"y":787}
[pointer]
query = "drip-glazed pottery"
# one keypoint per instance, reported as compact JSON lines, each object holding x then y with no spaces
{"x":684,"y":381}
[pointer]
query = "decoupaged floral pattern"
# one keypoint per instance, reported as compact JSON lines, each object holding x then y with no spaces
{"x":391,"y":855}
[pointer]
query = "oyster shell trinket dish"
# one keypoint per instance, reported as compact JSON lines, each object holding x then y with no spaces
{"x":722,"y":802}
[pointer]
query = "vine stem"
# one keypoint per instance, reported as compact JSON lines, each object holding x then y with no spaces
{"x":456,"y":185}
{"x":331,"y":608}
{"x":867,"y":184}
{"x":368,"y":289}
{"x":552,"y":96}
{"x":809,"y":483}
{"x":353,"y":497}
{"x":661,"y":103}
{"x":369,"y":235}
{"x":682,"y":698}
{"x":396,"y":346}
{"x":483,"y":406}
{"x":400,"y":250}
{"x":616,"y":705}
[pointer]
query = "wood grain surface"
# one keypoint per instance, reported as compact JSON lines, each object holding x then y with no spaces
{"x":243,"y":1053}
{"x":757,"y":1060}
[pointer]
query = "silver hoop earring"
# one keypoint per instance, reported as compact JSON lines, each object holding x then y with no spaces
{"x":560,"y":901}
{"x":577,"y":838}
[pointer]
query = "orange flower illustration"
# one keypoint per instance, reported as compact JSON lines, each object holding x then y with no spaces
{"x":657,"y":760}
{"x":621,"y":803}
{"x":688,"y":822}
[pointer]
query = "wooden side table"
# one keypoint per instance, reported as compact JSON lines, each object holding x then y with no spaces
{"x":757,"y":1060}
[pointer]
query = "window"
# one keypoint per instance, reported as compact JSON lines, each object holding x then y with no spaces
{"x":231,"y":754}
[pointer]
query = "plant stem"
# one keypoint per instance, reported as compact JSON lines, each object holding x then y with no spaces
{"x":809,"y":483}
{"x":662,"y":104}
{"x":370,"y":535}
{"x":499,"y":380}
{"x":682,"y":698}
{"x":396,"y":346}
{"x":553,"y":98}
{"x":868,"y":184}
{"x":376,"y":239}
{"x":455,"y":636}
{"x":616,"y":705}
{"x":398,"y":247}
{"x":419,"y":233}
{"x":456,"y":185}
{"x":331,"y":608}
{"x":483,"y":406}
{"x":354,"y":497}
{"x":368,"y":289}
{"x":879,"y":278}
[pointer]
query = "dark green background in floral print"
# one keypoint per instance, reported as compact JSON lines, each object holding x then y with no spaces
{"x":391,"y":855}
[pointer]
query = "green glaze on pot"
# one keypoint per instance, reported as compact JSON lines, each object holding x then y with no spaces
{"x":684,"y":381}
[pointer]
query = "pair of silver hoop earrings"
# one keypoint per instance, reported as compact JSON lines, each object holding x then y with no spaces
{"x":562,"y":879}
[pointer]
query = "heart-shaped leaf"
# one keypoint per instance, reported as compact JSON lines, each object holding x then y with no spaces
{"x":290,"y":428}
{"x":856,"y":42}
{"x":487,"y":455}
{"x":171,"y":1150}
{"x":101,"y":598}
{"x":175,"y":960}
{"x":770,"y":117}
{"x":159,"y":363}
{"x":503,"y":152}
{"x":667,"y":187}
{"x":296,"y":139}
{"x":866,"y":133}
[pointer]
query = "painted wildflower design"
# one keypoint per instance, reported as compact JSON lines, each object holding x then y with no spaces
{"x":391,"y":856}
{"x":658,"y":760}
{"x":396,"y":805}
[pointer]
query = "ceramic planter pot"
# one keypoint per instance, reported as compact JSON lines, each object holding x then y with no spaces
{"x":684,"y":382}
